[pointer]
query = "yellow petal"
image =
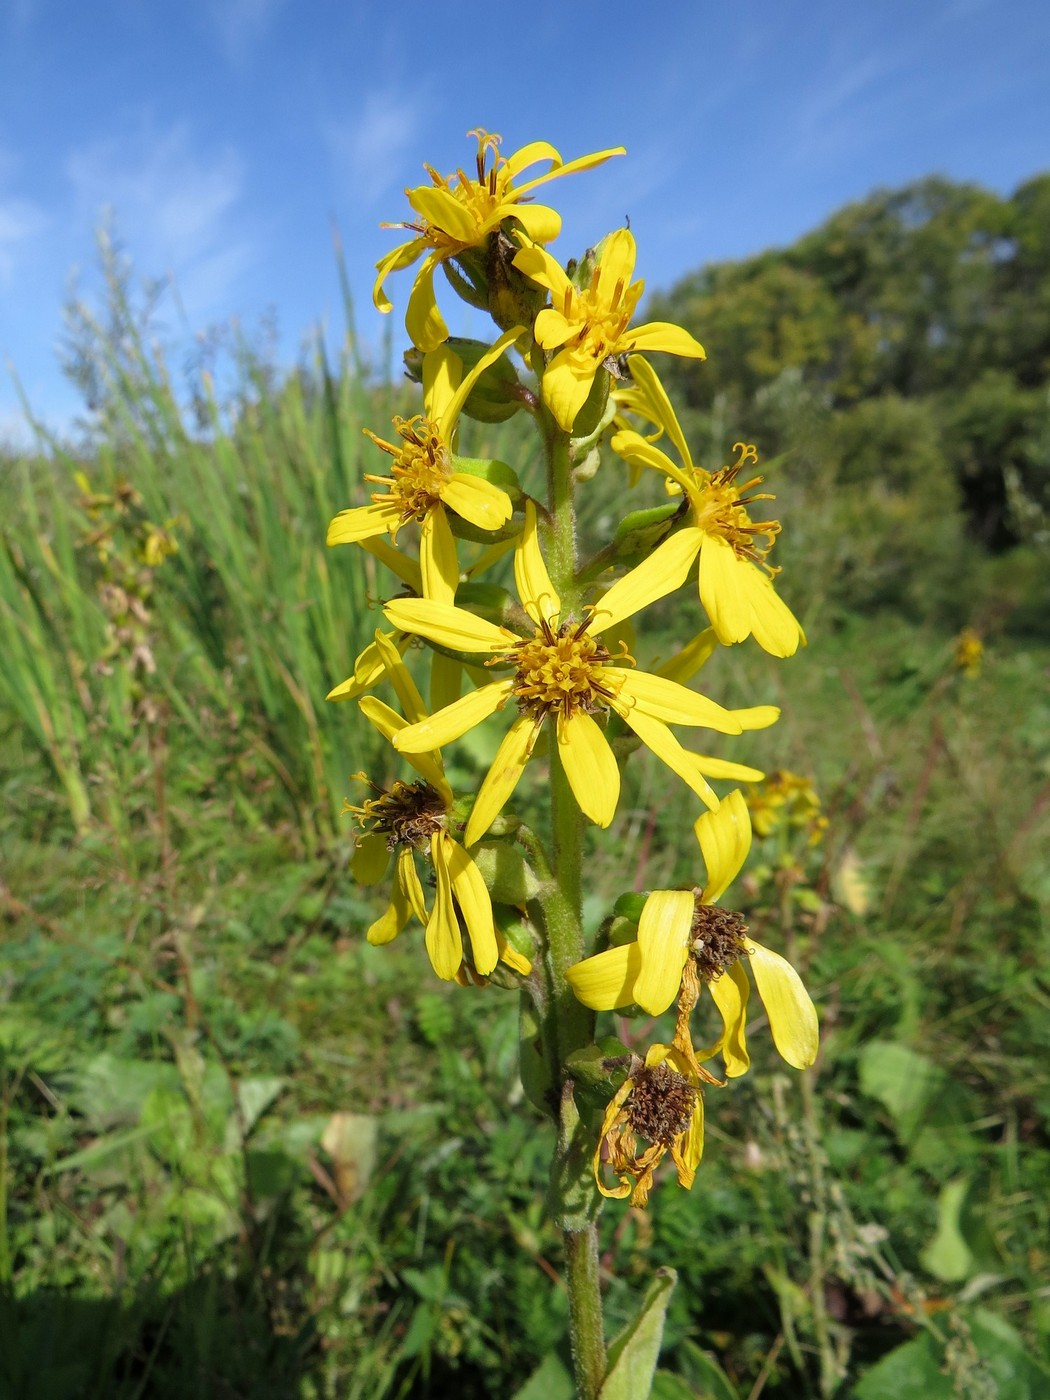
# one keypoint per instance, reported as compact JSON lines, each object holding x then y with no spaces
{"x":438,"y":564}
{"x":445,"y":211}
{"x":538,"y":265}
{"x":774,"y":625}
{"x":528,"y":155}
{"x":606,"y":980}
{"x":691,"y":1148}
{"x":350,"y":526}
{"x":371,"y":859}
{"x":566,"y":383}
{"x":389,"y":723}
{"x":408,"y":880}
{"x":792,"y":1015}
{"x":728,"y":772}
{"x":502,"y":777}
{"x":664,"y":931}
{"x":616,"y":262}
{"x":442,"y":374}
{"x":684,"y":665}
{"x":665,"y":570}
{"x":443,"y":940}
{"x":640,"y":452}
{"x":404,"y":686}
{"x":369,"y":669}
{"x":662,"y":699}
{"x":537,"y":593}
{"x":656,"y":736}
{"x":725,"y":839}
{"x":589,"y":766}
{"x":423,"y":321}
{"x":570,"y":167}
{"x":454,"y":720}
{"x":730,"y":993}
{"x":394,"y":261}
{"x":541,"y":223}
{"x":647,"y":379}
{"x":390,"y":923}
{"x":447,"y":625}
{"x":756,"y":717}
{"x":723,"y":590}
{"x":553,"y":329}
{"x":666,"y":336}
{"x":477,"y":500}
{"x":472,"y":896}
{"x":509,"y":954}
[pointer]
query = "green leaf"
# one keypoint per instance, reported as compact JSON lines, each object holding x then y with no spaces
{"x":550,"y":1381}
{"x":905,"y":1082}
{"x":703,"y":1371}
{"x":667,"y":1386}
{"x":633,"y":1355}
{"x":948,"y":1256}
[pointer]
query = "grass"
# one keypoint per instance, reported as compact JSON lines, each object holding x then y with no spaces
{"x":246,"y":1154}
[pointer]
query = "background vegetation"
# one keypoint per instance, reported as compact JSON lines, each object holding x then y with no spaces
{"x":243,"y":1154}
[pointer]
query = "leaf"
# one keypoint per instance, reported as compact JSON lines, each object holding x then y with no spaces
{"x":550,"y":1381}
{"x":915,"y":1371}
{"x":633,"y":1355}
{"x":351,"y":1139}
{"x":905,"y":1082}
{"x":909,"y":1372}
{"x":112,"y":1090}
{"x":254,"y":1097}
{"x":702,"y":1371}
{"x":667,"y":1386}
{"x":948,"y":1256}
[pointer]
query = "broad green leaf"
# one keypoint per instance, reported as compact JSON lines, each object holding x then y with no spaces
{"x":633,"y":1355}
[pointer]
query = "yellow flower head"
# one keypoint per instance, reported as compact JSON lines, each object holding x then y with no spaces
{"x":591,"y":326}
{"x":660,"y":1102}
{"x":410,"y":821}
{"x":424,"y":482}
{"x":685,"y":944}
{"x":565,"y":672}
{"x":735,"y":579}
{"x":460,"y":211}
{"x":786,"y":799}
{"x":969,"y":652}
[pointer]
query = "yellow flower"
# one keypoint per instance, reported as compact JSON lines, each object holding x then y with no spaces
{"x":460,"y":212}
{"x":660,"y":1102}
{"x":565,"y":671}
{"x":685,"y":944}
{"x":969,"y":652}
{"x":424,"y":482}
{"x":411,"y":820}
{"x":588,"y":327}
{"x":786,"y":798}
{"x":735,"y":580}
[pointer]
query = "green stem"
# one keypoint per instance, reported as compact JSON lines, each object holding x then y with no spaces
{"x":567,"y":1024}
{"x":585,"y":1311}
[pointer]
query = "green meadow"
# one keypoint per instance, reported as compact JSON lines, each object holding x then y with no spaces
{"x":245,"y":1154}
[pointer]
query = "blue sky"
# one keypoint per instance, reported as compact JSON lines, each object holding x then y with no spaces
{"x":222,"y":137}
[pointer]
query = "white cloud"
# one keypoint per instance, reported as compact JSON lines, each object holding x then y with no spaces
{"x":173,"y":207}
{"x":370,"y":147}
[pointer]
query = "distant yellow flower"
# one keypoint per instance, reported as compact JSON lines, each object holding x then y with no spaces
{"x":735,"y":579}
{"x":410,"y":820}
{"x":685,"y":944}
{"x":660,"y":1102}
{"x":565,"y":671}
{"x":786,"y":799}
{"x":591,"y":326}
{"x":424,"y":482}
{"x":459,"y":212}
{"x":969,"y":653}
